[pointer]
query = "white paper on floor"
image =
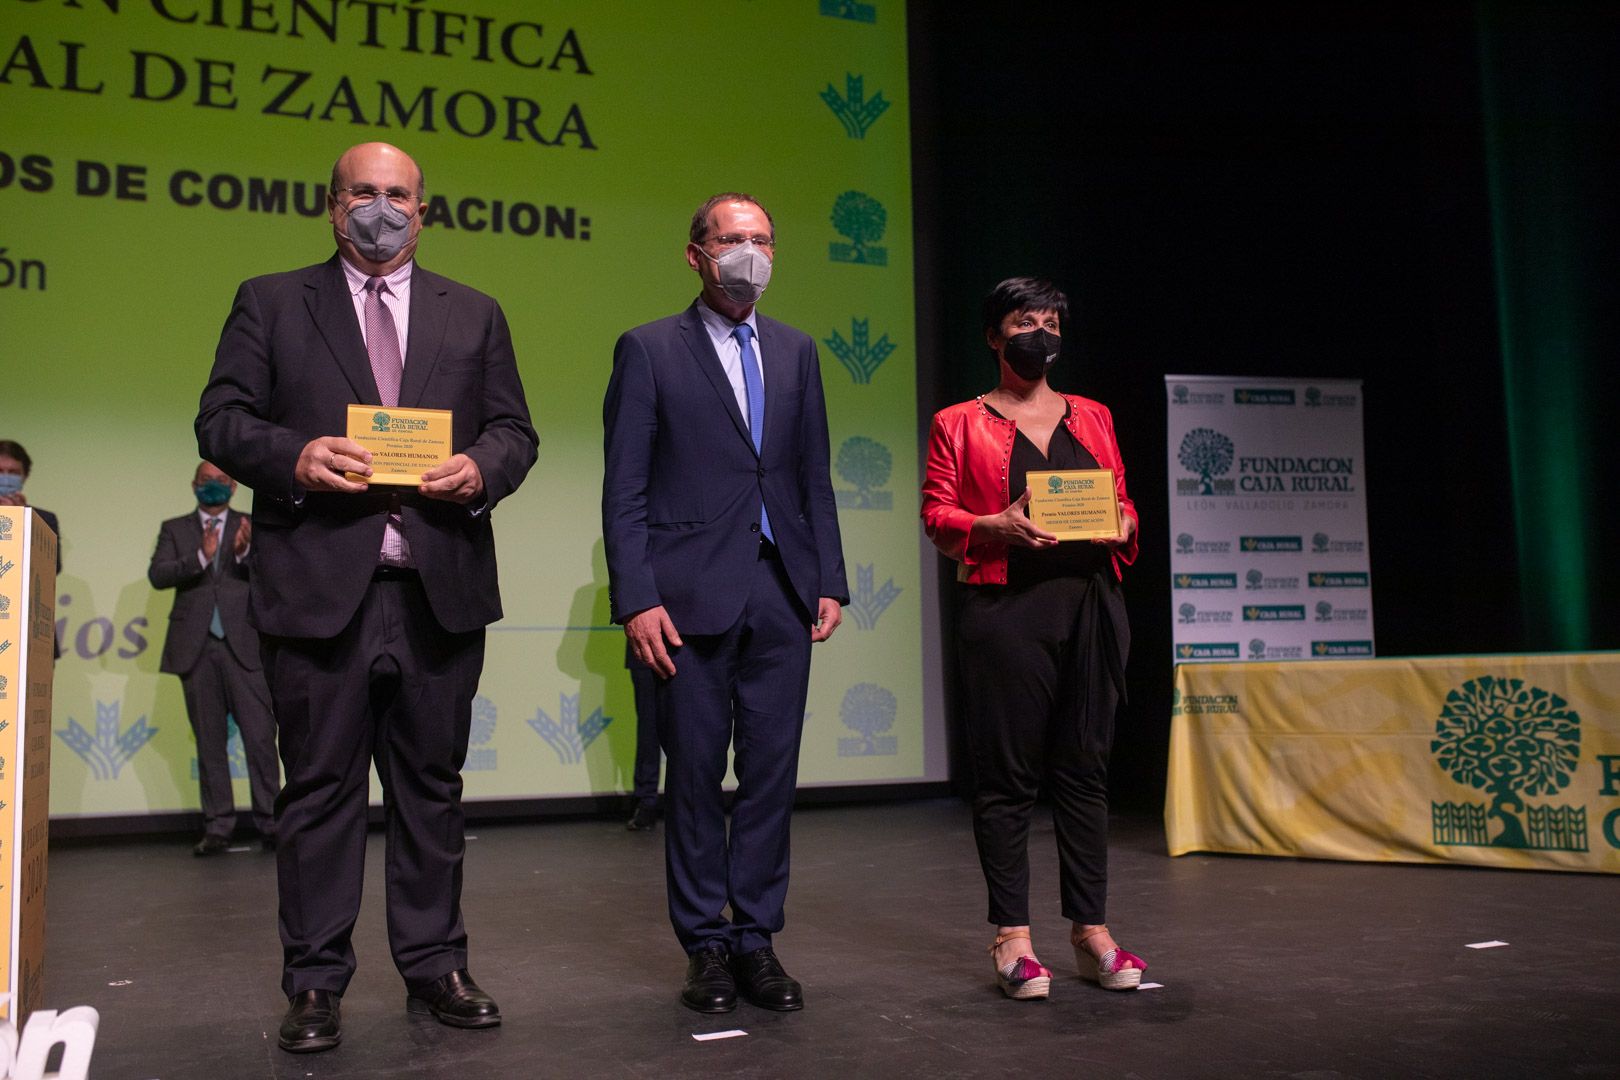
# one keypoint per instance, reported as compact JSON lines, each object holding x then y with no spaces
{"x":1151,"y":986}
{"x":709,"y":1036}
{"x":1486,"y":945}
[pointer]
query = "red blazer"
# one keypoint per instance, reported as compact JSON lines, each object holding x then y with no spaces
{"x":966,"y":476}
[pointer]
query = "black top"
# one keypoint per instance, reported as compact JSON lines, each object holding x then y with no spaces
{"x":1071,"y":558}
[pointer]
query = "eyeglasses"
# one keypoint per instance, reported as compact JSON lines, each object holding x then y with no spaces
{"x":727,"y":241}
{"x":365,"y":193}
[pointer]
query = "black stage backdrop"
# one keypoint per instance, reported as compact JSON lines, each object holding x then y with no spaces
{"x":1293,"y":191}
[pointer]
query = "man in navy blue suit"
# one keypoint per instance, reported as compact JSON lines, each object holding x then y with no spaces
{"x":724,"y":565}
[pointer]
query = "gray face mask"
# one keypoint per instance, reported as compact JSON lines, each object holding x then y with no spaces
{"x":378,"y":229}
{"x":745,"y":270}
{"x":10,"y":483}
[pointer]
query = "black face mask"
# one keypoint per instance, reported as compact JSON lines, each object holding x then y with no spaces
{"x":1029,"y":355}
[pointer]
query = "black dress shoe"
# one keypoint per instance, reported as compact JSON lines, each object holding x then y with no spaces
{"x":761,"y":981}
{"x":454,"y":999}
{"x":709,"y":986}
{"x":644,"y":818}
{"x":311,"y":1023}
{"x":211,"y":845}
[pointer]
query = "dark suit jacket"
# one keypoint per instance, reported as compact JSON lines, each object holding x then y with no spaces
{"x":680,"y":500}
{"x":290,"y":359}
{"x":197,"y":590}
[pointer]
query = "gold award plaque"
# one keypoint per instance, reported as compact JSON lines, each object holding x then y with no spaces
{"x":1074,"y":504}
{"x":404,"y":443}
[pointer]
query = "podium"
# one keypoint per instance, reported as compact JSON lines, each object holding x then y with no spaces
{"x":27,"y":660}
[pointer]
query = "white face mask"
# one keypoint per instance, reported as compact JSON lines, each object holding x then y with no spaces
{"x":745,"y":270}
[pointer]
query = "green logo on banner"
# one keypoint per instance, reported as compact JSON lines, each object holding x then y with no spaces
{"x":866,"y":463}
{"x":1323,"y":580}
{"x":1271,"y":543}
{"x":868,"y":710}
{"x":1205,"y":581}
{"x":1208,"y":453}
{"x":868,"y":603}
{"x":379,"y":421}
{"x":1334,"y":650}
{"x":1262,"y":397}
{"x":1274,"y":613}
{"x":1208,"y":650}
{"x":109,"y":748}
{"x":849,"y":9}
{"x":1508,"y":740}
{"x":862,"y":219}
{"x":860,"y":355}
{"x":853,"y":108}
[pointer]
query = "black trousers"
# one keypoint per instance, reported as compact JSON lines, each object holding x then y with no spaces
{"x":1039,"y":706}
{"x":745,"y":690}
{"x":218,"y":686}
{"x":394,"y":688}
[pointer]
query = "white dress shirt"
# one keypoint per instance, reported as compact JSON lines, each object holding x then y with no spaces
{"x":720,"y":332}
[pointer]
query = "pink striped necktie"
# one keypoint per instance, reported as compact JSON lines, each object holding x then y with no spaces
{"x":387,"y":368}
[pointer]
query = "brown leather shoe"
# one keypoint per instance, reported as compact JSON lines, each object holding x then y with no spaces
{"x":454,"y":999}
{"x":311,"y":1024}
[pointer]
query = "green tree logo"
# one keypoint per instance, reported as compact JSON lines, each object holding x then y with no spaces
{"x":854,"y":110}
{"x":866,"y":463}
{"x":379,"y":421}
{"x":1324,"y":611}
{"x":868,"y":710}
{"x":1188,"y":612}
{"x":1508,"y":740}
{"x":860,"y":355}
{"x":1180,"y":394}
{"x":1257,"y":648}
{"x":1208,"y":453}
{"x":862,"y":219}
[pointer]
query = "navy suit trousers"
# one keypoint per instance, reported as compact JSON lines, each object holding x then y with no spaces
{"x":745,"y":688}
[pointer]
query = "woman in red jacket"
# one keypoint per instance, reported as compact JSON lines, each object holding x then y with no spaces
{"x":1042,"y":632}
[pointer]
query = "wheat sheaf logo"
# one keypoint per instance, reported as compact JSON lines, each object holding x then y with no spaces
{"x":1508,"y":739}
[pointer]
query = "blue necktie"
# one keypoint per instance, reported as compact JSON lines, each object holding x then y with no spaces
{"x":754,"y":383}
{"x":216,"y":625}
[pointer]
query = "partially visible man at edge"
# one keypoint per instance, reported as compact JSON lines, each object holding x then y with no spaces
{"x":371,"y":601}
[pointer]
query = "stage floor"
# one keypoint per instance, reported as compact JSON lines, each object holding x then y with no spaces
{"x":1271,"y":967}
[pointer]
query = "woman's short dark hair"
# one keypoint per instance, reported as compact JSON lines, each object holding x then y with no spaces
{"x":1023,"y":294}
{"x":15,"y":451}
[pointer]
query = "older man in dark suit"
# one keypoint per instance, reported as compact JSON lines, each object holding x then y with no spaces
{"x":210,"y":644}
{"x":724,"y":565}
{"x":371,"y":600}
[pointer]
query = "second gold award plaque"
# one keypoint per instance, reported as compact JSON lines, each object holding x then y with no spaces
{"x":404,"y":443}
{"x":1074,"y":504}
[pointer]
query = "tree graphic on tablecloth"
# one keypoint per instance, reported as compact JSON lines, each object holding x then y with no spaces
{"x":1509,"y":739}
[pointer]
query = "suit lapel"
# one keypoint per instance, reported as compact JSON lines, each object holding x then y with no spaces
{"x":430,"y":311}
{"x":698,"y":343}
{"x":331,"y":306}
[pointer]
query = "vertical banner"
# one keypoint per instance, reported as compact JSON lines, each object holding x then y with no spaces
{"x":1268,"y":519}
{"x":27,"y":644}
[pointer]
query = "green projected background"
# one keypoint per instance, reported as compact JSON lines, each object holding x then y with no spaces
{"x":153,"y":154}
